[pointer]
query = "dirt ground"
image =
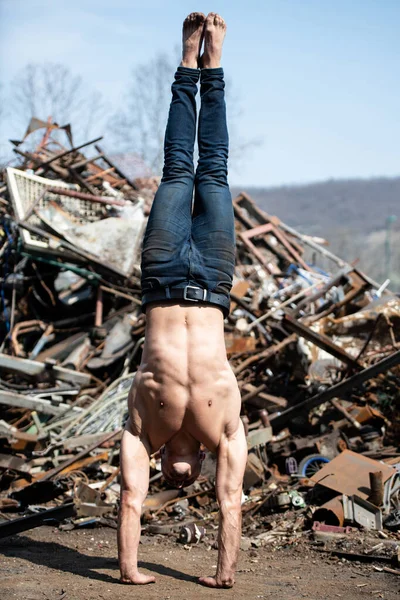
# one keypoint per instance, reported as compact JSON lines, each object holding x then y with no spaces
{"x":48,"y":564}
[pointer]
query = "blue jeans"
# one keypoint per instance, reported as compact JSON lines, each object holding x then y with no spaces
{"x":192,"y":243}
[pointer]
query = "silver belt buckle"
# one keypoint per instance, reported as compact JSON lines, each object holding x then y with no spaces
{"x":193,"y":287}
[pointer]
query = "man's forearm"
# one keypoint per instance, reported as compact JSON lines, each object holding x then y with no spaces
{"x":134,"y":486}
{"x":128,"y":539}
{"x":229,"y":535}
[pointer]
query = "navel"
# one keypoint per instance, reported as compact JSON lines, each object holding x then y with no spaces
{"x":161,"y":404}
{"x":209,"y":402}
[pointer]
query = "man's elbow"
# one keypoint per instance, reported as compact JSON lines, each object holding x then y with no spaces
{"x":231,"y":504}
{"x":131,"y":502}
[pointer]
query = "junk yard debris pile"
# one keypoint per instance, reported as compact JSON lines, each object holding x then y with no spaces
{"x":314,"y":343}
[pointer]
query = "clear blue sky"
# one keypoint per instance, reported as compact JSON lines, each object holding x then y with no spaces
{"x":319,"y":80}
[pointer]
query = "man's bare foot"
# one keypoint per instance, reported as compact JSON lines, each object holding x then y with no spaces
{"x":214,"y":34}
{"x":192,"y":38}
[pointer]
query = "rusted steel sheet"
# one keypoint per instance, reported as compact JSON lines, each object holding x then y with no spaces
{"x":348,"y":474}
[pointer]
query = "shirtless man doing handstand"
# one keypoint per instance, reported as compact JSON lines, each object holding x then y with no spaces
{"x":185,"y":393}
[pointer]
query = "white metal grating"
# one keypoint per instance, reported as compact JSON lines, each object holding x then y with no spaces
{"x":25,"y":188}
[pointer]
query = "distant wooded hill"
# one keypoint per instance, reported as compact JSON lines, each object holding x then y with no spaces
{"x":350,"y":214}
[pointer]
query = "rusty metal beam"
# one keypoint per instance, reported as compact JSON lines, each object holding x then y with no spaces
{"x":336,"y":391}
{"x":58,"y":513}
{"x":320,"y":340}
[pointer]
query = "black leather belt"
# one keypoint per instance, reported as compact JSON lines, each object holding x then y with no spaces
{"x":190,"y":293}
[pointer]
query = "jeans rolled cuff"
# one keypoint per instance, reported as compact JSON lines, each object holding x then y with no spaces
{"x":218,"y":71}
{"x":188,"y":71}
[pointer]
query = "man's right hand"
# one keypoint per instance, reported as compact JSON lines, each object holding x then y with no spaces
{"x":213,"y":583}
{"x":137,"y":578}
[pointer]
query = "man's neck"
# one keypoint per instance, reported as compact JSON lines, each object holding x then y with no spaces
{"x":182,"y":443}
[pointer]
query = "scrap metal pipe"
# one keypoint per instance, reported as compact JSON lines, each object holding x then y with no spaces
{"x":330,"y":513}
{"x":83,"y":196}
{"x":377,"y":489}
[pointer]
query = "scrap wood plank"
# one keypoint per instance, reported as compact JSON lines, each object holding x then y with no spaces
{"x":33,"y":367}
{"x":261,"y":397}
{"x":239,"y":344}
{"x":252,"y":391}
{"x":240,"y":289}
{"x":265,"y":354}
{"x":357,"y":556}
{"x":98,"y":173}
{"x":387,"y":570}
{"x":83,"y":462}
{"x":276,"y":400}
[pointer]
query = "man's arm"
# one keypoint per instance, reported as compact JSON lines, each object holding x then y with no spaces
{"x":231,"y":464}
{"x":134,"y":486}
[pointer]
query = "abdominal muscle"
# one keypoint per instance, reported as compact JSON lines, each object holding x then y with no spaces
{"x":184,"y":382}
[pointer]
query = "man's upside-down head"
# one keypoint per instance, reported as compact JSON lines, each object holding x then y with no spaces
{"x":181,"y":468}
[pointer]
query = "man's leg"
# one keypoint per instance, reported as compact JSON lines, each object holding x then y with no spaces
{"x":213,"y":232}
{"x":165,"y":256}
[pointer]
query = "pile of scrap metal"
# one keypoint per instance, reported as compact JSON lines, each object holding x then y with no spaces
{"x":314,"y":344}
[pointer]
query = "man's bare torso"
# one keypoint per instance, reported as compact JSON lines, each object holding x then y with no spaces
{"x":184,"y":382}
